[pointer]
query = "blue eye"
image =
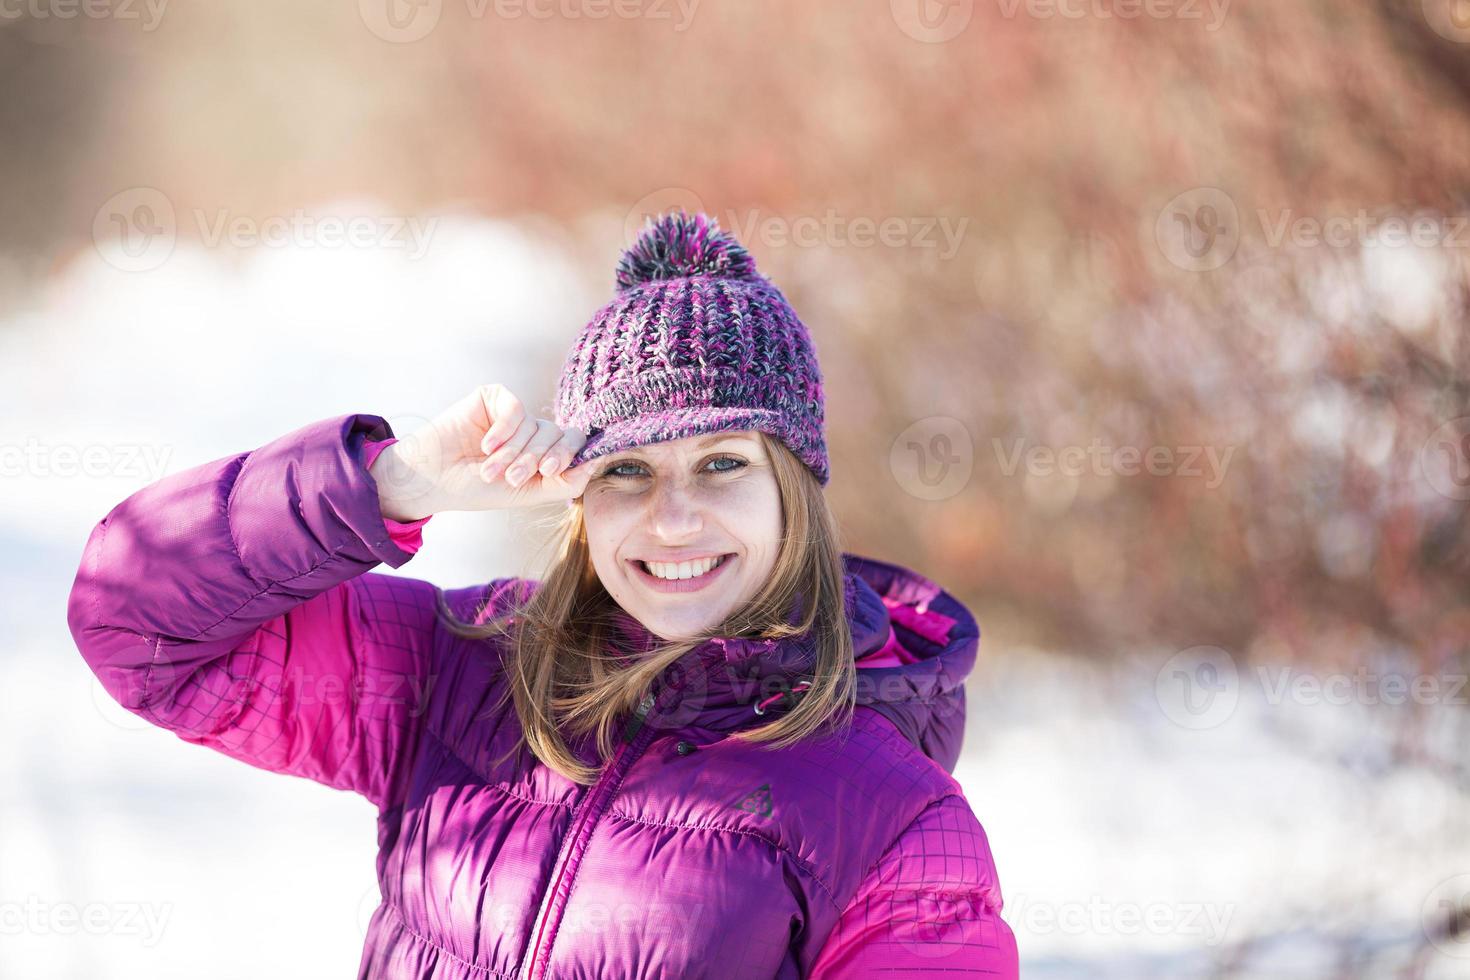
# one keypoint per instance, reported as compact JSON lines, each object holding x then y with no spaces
{"x":727,"y":459}
{"x":612,"y":471}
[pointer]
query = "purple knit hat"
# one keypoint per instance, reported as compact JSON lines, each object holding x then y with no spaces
{"x":695,"y":341}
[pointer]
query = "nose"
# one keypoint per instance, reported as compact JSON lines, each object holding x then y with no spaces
{"x":674,"y":511}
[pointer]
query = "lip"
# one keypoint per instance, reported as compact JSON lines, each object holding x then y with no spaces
{"x":684,"y":584}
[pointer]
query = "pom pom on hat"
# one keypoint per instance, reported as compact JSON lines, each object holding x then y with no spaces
{"x":695,"y":341}
{"x":677,"y":245}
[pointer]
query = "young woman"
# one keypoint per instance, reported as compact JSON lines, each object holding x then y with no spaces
{"x":708,"y":743}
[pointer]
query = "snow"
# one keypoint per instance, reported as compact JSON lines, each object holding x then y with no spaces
{"x":1290,"y":837}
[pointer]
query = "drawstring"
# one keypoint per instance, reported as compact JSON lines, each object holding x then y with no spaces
{"x":789,"y":693}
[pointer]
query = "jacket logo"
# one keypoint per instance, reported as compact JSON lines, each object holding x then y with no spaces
{"x":757,"y":801}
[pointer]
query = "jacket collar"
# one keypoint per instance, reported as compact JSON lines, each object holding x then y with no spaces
{"x":726,"y":677}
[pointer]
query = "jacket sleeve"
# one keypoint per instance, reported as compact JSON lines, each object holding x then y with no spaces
{"x":232,"y":604}
{"x":929,"y":907}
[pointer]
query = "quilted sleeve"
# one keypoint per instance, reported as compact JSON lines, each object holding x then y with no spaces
{"x":929,"y":907}
{"x":233,"y":605}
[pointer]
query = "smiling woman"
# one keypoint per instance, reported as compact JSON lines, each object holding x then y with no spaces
{"x":698,"y":518}
{"x":670,"y":722}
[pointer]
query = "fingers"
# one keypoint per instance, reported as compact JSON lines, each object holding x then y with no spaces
{"x":525,"y":462}
{"x":538,"y":446}
{"x":509,"y":452}
{"x":504,"y":416}
{"x":571,"y":483}
{"x":571,"y":441}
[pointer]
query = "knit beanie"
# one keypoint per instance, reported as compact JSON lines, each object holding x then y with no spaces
{"x":694,"y":341}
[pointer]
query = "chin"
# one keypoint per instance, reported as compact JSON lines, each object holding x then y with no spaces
{"x":677,"y":628}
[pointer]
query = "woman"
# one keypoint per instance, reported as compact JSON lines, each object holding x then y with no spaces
{"x":707,"y":744}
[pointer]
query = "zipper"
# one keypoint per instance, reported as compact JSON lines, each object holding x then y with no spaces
{"x":635,"y":738}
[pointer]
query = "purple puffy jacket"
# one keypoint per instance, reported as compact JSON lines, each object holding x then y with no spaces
{"x":234,"y":604}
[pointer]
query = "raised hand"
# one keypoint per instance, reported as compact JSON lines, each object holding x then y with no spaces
{"x":484,"y":452}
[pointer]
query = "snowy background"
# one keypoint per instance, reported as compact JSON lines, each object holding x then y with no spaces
{"x":1134,"y":839}
{"x":1219,"y":724}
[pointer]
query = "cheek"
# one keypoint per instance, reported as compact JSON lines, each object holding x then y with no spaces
{"x":603,"y":524}
{"x":752,"y":512}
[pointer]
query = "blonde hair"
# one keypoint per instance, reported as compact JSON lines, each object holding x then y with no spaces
{"x":562,"y":676}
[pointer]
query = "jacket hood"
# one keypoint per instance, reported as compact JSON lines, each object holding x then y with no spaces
{"x":919,"y":640}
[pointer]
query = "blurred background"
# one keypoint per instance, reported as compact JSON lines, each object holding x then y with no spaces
{"x":1143,"y":328}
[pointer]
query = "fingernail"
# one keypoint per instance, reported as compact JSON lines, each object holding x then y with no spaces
{"x":548,"y":466}
{"x":516,"y":473}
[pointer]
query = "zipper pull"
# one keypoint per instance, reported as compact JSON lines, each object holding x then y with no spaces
{"x":635,"y":721}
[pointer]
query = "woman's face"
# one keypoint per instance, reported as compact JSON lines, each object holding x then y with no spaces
{"x":685,"y":500}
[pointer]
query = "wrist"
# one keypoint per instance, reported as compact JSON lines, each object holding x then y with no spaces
{"x":395,"y":479}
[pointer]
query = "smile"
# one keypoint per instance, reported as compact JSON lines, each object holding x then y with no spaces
{"x":682,"y":576}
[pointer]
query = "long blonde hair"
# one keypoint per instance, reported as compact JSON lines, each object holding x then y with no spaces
{"x":563,"y":678}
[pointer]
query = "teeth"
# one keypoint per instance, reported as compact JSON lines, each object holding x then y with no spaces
{"x":683,"y":569}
